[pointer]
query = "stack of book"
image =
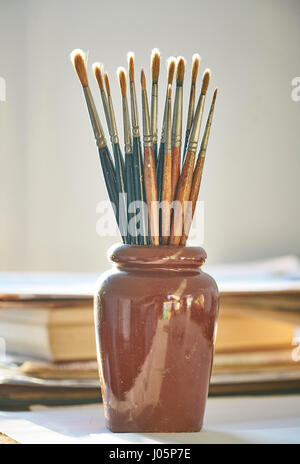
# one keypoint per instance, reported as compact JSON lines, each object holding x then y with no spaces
{"x":47,"y":340}
{"x":259,"y":327}
{"x":48,"y":344}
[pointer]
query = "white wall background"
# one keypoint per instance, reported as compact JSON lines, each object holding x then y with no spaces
{"x":49,"y":173}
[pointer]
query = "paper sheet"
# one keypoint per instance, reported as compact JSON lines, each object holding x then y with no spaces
{"x":266,"y":419}
{"x":277,"y":274}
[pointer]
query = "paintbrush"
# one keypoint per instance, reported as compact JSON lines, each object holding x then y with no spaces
{"x":132,"y":232}
{"x":190,"y":116}
{"x":78,"y":60}
{"x":155,"y":66}
{"x":149,"y":168}
{"x":119,"y":162}
{"x":98,"y":73}
{"x":177,"y":124}
{"x":171,"y":63}
{"x":197,"y":176}
{"x":185,"y":181}
{"x":167,"y":177}
{"x":138,"y":170}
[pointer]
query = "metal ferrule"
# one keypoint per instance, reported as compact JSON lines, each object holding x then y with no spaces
{"x":202,"y":153}
{"x":134,"y":111}
{"x":191,"y":108}
{"x":147,"y":136}
{"x":114,"y":131}
{"x":177,"y":118}
{"x":207,"y":131}
{"x":106,"y":111}
{"x":168,"y":147}
{"x":163,"y":130}
{"x":96,"y":124}
{"x":154,"y":103}
{"x":194,"y":137}
{"x":126,"y":122}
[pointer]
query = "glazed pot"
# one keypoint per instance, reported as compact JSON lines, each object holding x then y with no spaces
{"x":155,"y":318}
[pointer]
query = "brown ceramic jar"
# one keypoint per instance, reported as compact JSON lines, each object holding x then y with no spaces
{"x":155,"y":316}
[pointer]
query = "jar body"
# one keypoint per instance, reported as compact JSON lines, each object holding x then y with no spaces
{"x":155,"y":329}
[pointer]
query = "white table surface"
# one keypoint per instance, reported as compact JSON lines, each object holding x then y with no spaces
{"x":260,"y":419}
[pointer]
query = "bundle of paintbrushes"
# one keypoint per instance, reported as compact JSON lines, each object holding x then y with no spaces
{"x":153,"y":187}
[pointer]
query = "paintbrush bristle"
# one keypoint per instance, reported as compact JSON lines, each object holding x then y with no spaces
{"x":155,"y":64}
{"x":180,"y":70}
{"x":205,"y":81}
{"x":169,"y":90}
{"x":143,"y":79}
{"x":171,"y":63}
{"x":122,"y":81}
{"x":98,"y":73}
{"x":78,"y":59}
{"x":215,"y":95}
{"x":107,"y":86}
{"x":130,"y":57}
{"x":195,"y":67}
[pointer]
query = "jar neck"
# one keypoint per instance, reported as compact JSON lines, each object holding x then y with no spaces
{"x":156,"y":258}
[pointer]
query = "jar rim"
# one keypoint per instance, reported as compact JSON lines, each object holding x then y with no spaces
{"x":157,"y":256}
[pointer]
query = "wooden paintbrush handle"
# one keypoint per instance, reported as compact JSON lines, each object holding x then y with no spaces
{"x":176,"y":161}
{"x":166,"y":199}
{"x":121,"y":186}
{"x":138,"y":174}
{"x":182,"y":196}
{"x":151,"y":194}
{"x":160,"y":169}
{"x":132,"y":234}
{"x":193,"y":197}
{"x":187,"y":135}
{"x":155,"y":153}
{"x":110,"y":180}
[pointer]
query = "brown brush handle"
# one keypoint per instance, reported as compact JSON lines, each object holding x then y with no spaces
{"x":193,"y":197}
{"x":176,"y":161}
{"x":182,"y":195}
{"x":151,"y":194}
{"x":166,"y":198}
